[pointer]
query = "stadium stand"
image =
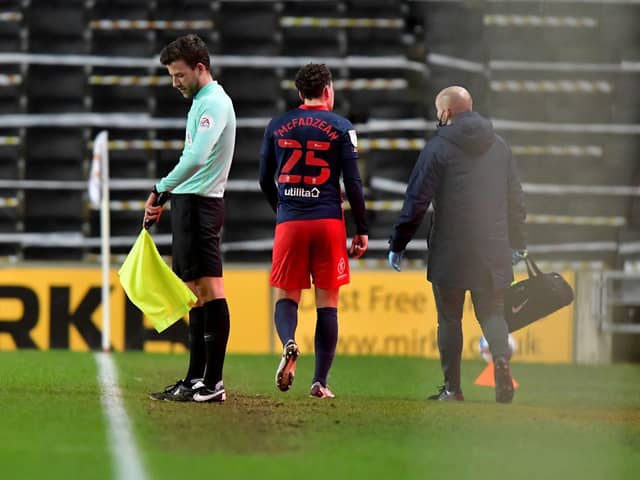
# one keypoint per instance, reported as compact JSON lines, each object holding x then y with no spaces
{"x":558,"y":78}
{"x":248,"y":31}
{"x":378,"y":28}
{"x":123,"y":90}
{"x":11,"y":86}
{"x":121,"y":28}
{"x":10,"y":198}
{"x":10,"y":28}
{"x":321,"y":35}
{"x":56,"y":27}
{"x":251,"y":98}
{"x":549,"y":66}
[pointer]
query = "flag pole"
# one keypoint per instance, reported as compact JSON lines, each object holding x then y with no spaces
{"x":105,"y":248}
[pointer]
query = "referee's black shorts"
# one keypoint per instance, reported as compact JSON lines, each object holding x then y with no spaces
{"x":195,"y":223}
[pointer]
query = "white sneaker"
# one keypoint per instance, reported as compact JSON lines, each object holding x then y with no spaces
{"x":287,"y":367}
{"x":318,"y":391}
{"x":204,"y":394}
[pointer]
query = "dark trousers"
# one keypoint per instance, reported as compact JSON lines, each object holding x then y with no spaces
{"x":489,"y":308}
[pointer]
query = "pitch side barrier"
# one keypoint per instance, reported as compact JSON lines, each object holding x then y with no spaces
{"x":382,"y":313}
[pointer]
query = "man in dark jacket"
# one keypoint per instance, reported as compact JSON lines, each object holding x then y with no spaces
{"x":468,"y":173}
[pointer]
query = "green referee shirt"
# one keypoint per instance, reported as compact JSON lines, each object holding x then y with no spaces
{"x":210,"y":138}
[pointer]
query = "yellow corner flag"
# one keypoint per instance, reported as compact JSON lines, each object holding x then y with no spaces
{"x":152,"y":286}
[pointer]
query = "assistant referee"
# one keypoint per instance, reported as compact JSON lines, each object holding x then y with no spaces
{"x":197,"y":185}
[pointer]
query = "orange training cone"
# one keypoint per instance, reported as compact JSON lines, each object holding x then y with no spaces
{"x":487,"y":379}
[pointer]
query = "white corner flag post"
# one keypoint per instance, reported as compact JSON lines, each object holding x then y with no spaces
{"x":99,"y":197}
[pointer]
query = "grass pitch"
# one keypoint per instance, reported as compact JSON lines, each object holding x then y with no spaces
{"x":51,"y":419}
{"x":566,"y":421}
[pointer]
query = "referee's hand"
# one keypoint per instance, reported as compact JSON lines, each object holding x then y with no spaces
{"x":359,"y":245}
{"x":152,"y":212}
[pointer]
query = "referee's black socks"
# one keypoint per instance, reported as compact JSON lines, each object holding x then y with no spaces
{"x":216,"y":335}
{"x":197,"y":357}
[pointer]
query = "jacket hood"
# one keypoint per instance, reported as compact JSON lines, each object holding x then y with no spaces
{"x":469,"y":131}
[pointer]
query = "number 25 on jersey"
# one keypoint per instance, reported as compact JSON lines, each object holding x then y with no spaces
{"x":310,"y":158}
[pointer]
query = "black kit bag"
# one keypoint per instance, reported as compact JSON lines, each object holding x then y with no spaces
{"x":536,"y":297}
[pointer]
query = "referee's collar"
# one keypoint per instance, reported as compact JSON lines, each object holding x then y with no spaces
{"x":206,"y":88}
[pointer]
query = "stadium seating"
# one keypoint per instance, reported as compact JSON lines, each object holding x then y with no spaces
{"x":199,"y":17}
{"x":11,"y":89}
{"x":384,"y":93}
{"x":57,"y":155}
{"x":252,"y":98}
{"x":318,"y":35}
{"x":242,"y":210}
{"x":121,"y":90}
{"x":383,"y":27}
{"x":625,"y":106}
{"x":56,"y":27}
{"x":9,"y":154}
{"x":111,"y":36}
{"x":63,"y":90}
{"x":489,"y":47}
{"x":247,"y":154}
{"x":557,"y":35}
{"x":10,"y":28}
{"x":454,"y":29}
{"x":245,"y":31}
{"x":56,"y":211}
{"x":10,"y":198}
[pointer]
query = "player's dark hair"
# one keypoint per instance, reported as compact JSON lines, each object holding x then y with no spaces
{"x":311,"y":80}
{"x":190,"y":48}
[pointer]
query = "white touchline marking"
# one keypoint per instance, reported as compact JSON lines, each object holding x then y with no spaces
{"x":126,"y":457}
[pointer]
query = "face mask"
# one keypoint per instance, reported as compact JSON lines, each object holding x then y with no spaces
{"x":440,"y":122}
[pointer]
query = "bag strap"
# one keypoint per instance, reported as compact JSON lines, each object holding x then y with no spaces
{"x":532,"y":268}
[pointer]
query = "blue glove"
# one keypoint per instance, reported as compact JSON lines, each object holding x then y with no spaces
{"x":518,"y":255}
{"x":394,"y":259}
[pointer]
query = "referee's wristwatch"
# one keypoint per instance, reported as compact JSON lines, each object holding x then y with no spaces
{"x":161,"y":197}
